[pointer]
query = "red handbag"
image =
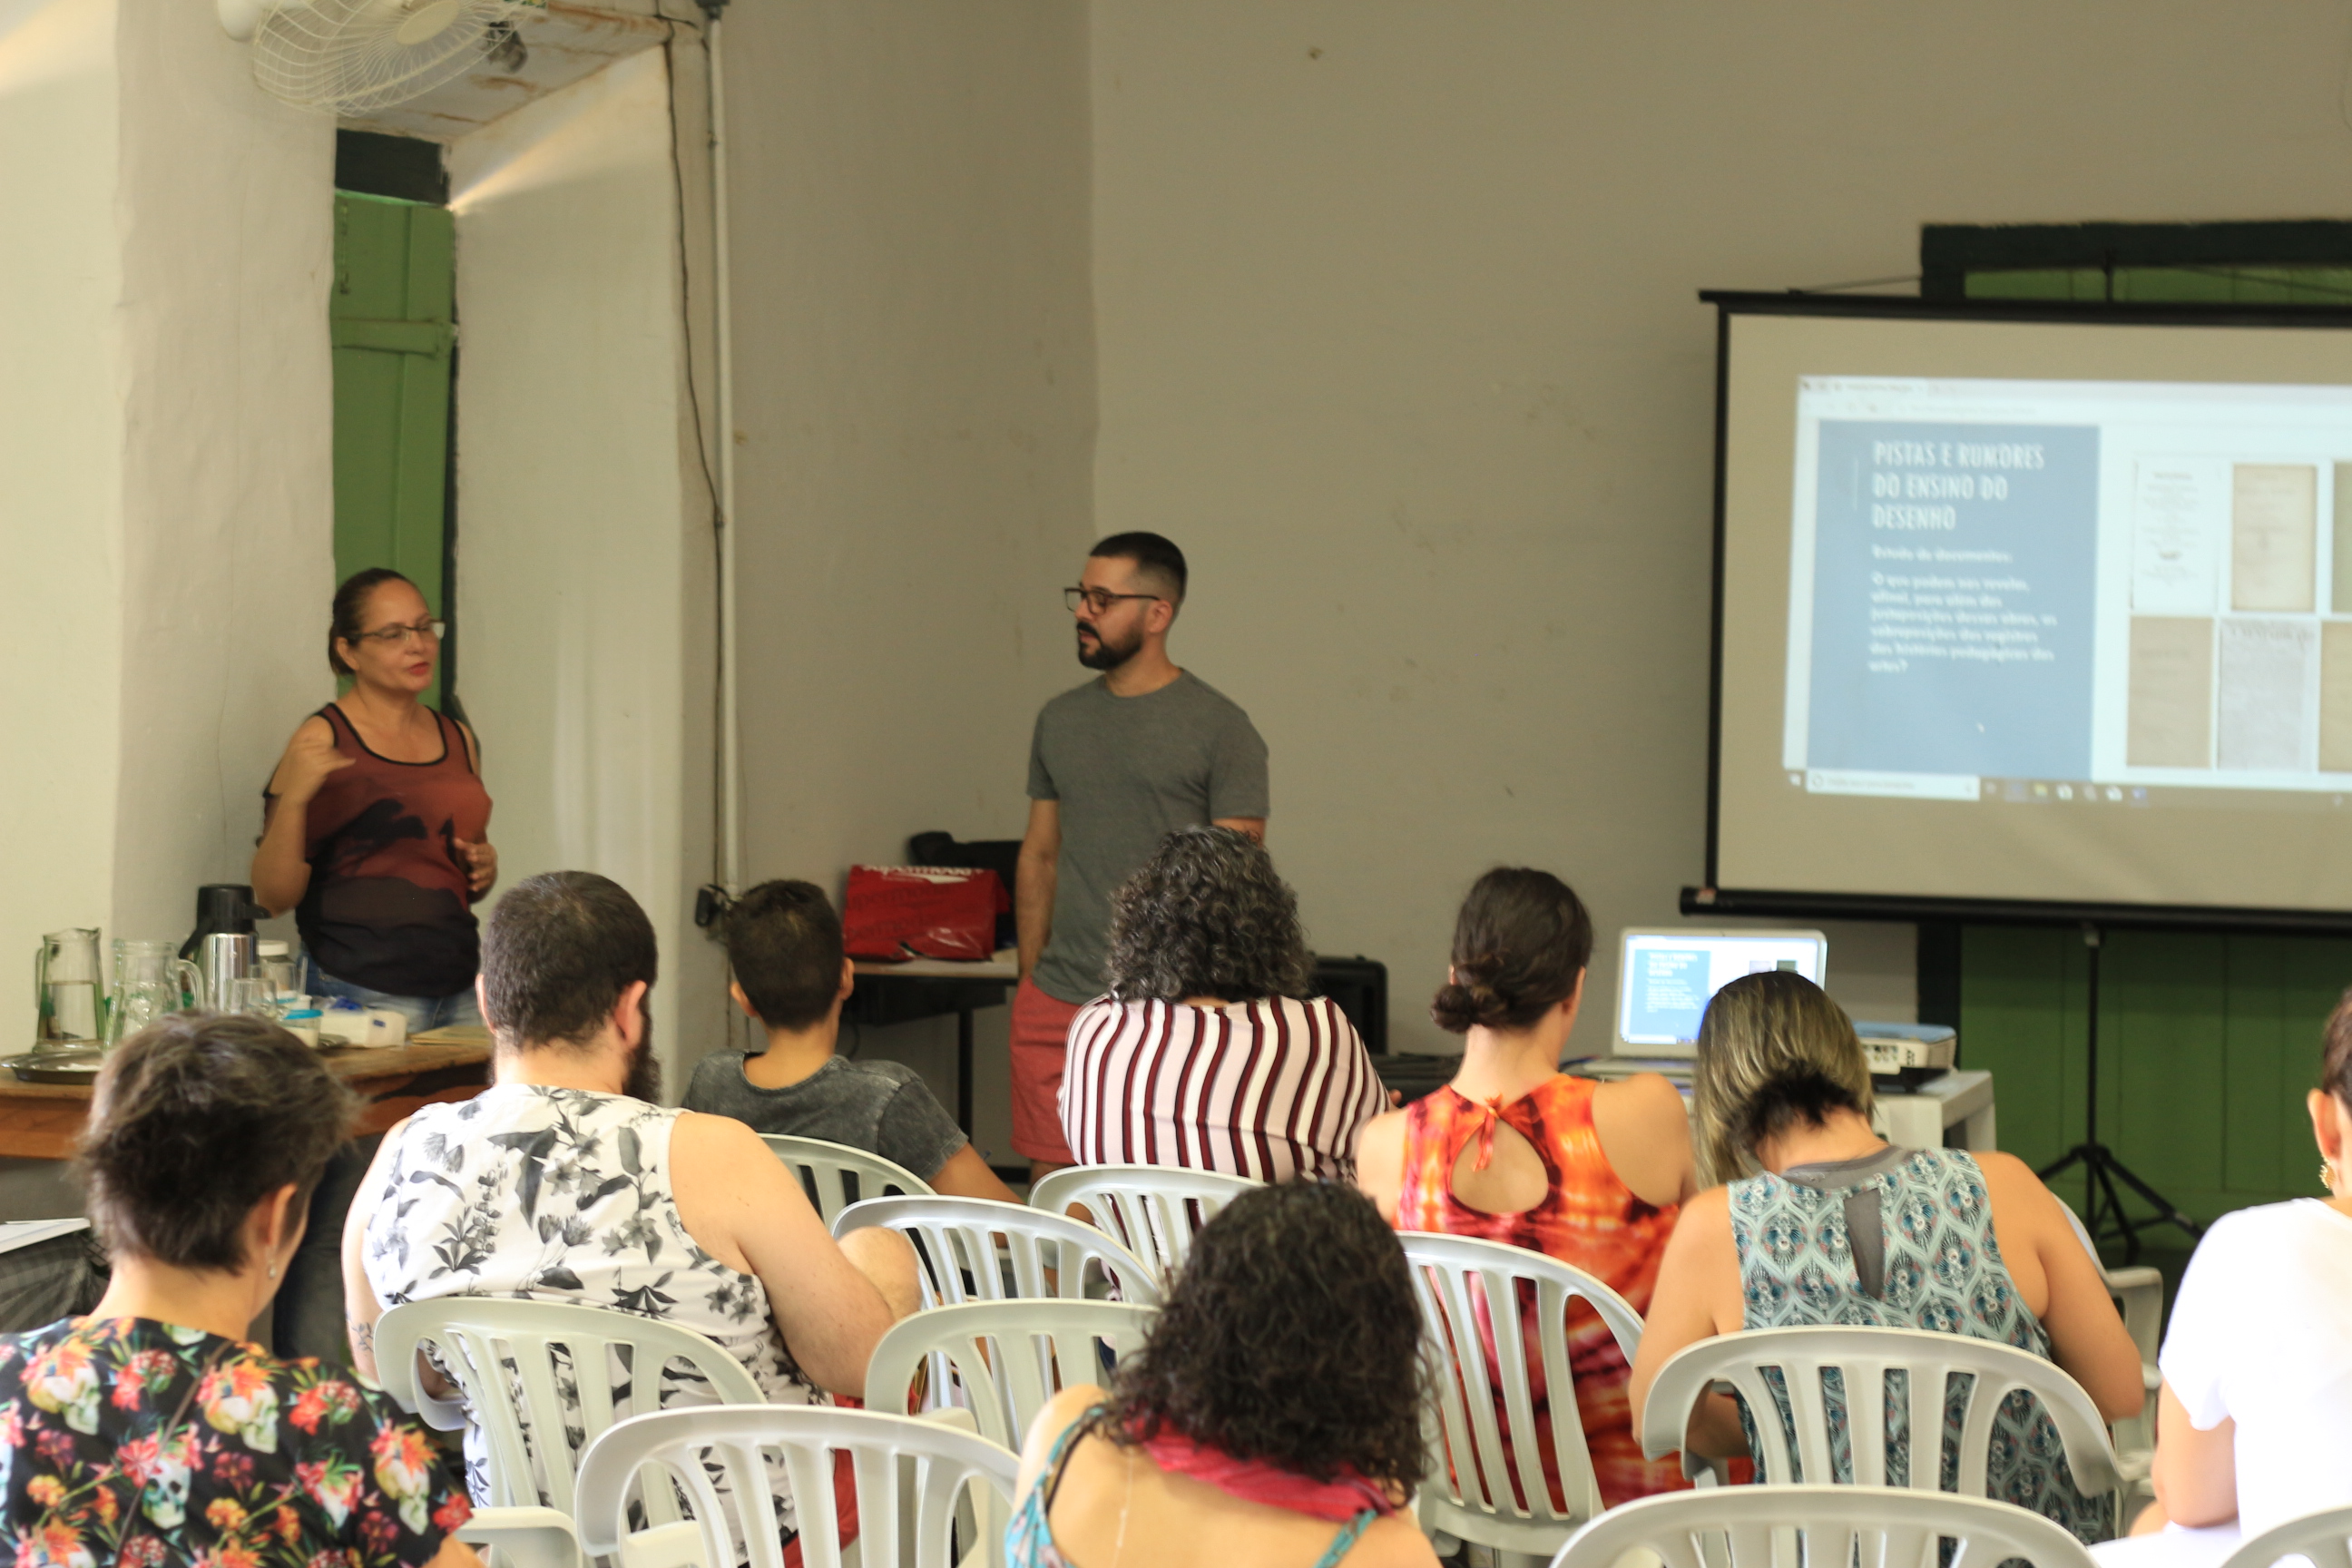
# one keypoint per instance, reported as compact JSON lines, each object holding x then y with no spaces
{"x":922,"y":911}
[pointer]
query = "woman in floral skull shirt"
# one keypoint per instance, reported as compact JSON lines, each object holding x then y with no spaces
{"x":148,"y":1434}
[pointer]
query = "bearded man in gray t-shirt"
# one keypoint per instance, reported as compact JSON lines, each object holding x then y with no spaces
{"x":1113,"y":766}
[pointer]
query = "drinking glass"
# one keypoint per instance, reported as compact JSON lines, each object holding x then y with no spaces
{"x":256,"y":995}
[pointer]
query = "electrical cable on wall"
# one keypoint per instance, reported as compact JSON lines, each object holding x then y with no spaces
{"x":711,"y":899}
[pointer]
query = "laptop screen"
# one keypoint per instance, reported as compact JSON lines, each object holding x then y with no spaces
{"x":1665,"y":978}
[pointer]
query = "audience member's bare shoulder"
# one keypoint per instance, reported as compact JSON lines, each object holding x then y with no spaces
{"x":2012,"y":1187}
{"x":1392,"y":1542}
{"x":1647,"y":1095}
{"x":701,"y":1143}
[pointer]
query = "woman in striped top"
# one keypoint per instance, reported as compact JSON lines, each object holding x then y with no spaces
{"x":1210,"y":1051}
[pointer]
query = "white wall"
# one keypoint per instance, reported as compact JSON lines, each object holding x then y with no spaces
{"x":1398,"y":337}
{"x":227,"y":232}
{"x":60,"y":439}
{"x":582,"y":574}
{"x":915,"y":407}
{"x":166,"y":512}
{"x":168,"y":506}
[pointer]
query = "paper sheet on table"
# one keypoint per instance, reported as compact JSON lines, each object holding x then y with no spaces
{"x":2274,"y":532}
{"x":2270,"y":682}
{"x":2180,"y":513}
{"x":2171,"y":706}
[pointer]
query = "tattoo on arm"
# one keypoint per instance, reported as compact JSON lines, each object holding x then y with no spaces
{"x":363,"y":1335}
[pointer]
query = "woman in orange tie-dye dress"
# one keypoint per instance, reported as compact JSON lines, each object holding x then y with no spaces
{"x":1515,"y":1151}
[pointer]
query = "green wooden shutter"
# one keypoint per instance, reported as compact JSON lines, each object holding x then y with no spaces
{"x":391,"y":316}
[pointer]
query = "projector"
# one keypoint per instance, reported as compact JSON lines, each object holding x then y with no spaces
{"x":1902,"y":1057}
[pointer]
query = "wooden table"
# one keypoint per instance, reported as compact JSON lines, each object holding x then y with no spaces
{"x":41,"y":1120}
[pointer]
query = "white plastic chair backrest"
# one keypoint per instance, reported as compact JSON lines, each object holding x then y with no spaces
{"x":1863,"y":1357}
{"x":957,"y":1239}
{"x":823,"y":1167}
{"x":671,"y":1454}
{"x":1472,"y":1459}
{"x":1891,"y":1528}
{"x":1150,"y":1209}
{"x":1012,"y":1357}
{"x":472,"y":1335}
{"x":2320,"y":1536}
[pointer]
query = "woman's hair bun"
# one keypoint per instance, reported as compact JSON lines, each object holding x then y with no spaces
{"x":1520,"y":945}
{"x":1457,"y":1007}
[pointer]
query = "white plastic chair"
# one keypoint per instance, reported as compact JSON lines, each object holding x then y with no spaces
{"x":897,"y":1461}
{"x":824,"y":1168}
{"x":957,"y":1239}
{"x":1472,"y":1461}
{"x":502,"y":1355}
{"x":1863,"y":1357}
{"x":1148,"y":1209}
{"x":1012,"y":1357}
{"x":2320,"y":1536}
{"x":1748,"y":1527}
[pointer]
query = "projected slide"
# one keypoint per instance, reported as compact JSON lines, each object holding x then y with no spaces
{"x":2047,"y":590}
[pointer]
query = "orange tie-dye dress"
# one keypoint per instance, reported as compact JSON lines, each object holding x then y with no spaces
{"x":1588,"y":1219}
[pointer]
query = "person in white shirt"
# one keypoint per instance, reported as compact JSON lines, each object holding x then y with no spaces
{"x":1212,"y":1051}
{"x":2254,"y":1417}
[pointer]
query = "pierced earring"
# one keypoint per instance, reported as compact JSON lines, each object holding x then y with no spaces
{"x":2327,"y":1174}
{"x":273,"y":1271}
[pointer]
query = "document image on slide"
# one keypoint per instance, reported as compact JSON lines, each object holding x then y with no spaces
{"x":2180,"y":517}
{"x":1952,"y":598}
{"x":2273,"y":534}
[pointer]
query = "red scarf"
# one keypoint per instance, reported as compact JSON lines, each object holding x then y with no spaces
{"x":1256,"y":1481}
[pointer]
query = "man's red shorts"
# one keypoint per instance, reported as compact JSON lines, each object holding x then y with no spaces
{"x":1041,"y":1032}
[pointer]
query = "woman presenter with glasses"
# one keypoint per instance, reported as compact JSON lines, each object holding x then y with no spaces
{"x":374,"y":834}
{"x":373,"y":826}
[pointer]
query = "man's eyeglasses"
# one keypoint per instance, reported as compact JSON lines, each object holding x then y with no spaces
{"x":393,"y":637}
{"x":1098,"y":599}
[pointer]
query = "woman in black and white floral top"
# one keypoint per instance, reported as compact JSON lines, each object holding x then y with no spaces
{"x":149,"y":1433}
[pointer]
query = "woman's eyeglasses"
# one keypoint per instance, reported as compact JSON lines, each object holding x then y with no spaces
{"x":393,"y":637}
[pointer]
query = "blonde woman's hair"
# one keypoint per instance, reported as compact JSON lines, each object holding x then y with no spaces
{"x":1774,"y":1052}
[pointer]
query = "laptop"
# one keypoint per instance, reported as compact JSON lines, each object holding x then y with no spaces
{"x":1667,"y":976}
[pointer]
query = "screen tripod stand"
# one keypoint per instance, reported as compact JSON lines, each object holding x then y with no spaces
{"x":2103,"y":1211}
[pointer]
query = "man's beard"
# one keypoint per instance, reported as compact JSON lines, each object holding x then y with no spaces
{"x":1107,"y":655}
{"x":642,"y":1079}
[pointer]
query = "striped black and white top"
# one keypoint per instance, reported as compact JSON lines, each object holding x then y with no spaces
{"x":1266,"y":1089}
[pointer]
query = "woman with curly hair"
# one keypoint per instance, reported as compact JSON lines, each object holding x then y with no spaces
{"x":1211,"y":1050}
{"x":1515,"y":1150}
{"x":1279,"y":1396}
{"x":148,"y":1433}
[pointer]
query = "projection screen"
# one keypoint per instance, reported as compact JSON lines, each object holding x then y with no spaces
{"x":2041,"y":610}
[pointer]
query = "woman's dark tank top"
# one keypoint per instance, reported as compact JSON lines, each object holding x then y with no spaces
{"x":390,"y":906}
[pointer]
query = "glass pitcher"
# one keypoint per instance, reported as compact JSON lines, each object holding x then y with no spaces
{"x":151,"y":979}
{"x":64,"y":990}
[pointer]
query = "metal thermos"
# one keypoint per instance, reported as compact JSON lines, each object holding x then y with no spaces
{"x":224,"y":956}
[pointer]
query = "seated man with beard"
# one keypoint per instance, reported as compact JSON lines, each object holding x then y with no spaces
{"x":563,"y":1182}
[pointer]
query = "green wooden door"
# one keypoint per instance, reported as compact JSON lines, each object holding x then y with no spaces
{"x":391,"y":318}
{"x":2207,"y":1042}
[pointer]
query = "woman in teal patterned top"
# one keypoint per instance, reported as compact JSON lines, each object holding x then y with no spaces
{"x":1822,"y":1221}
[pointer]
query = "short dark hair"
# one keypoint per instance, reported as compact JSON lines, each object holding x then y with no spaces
{"x":783,"y":942}
{"x":197,"y":1117}
{"x":348,"y":620}
{"x":1290,"y":1335}
{"x":1206,"y":916}
{"x":1155,"y":558}
{"x":1522,"y":940}
{"x":557,"y":953}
